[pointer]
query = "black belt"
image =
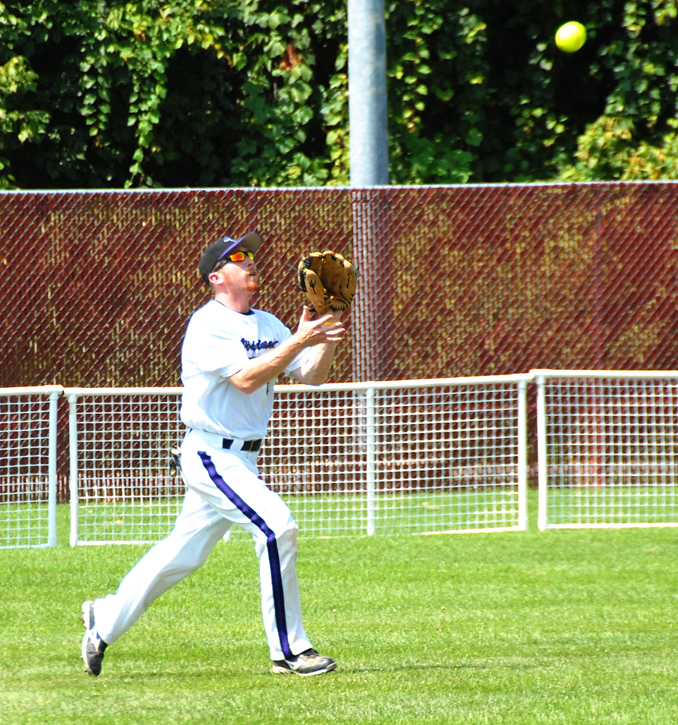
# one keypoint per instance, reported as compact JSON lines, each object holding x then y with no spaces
{"x":248,"y":446}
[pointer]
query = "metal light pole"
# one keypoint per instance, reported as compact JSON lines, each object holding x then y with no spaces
{"x":373,"y":357}
{"x":367,"y":92}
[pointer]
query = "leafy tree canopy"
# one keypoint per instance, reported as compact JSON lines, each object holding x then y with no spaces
{"x":173,"y":93}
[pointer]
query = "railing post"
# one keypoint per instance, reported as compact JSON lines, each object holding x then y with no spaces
{"x":51,"y":469}
{"x":542,"y":458}
{"x":522,"y":455}
{"x":371,"y":468}
{"x":73,"y":473}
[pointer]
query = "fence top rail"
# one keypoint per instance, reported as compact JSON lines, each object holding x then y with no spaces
{"x":33,"y":390}
{"x":402,"y":384}
{"x":374,"y":385}
{"x":339,"y":189}
{"x":630,"y":374}
{"x":100,"y":392}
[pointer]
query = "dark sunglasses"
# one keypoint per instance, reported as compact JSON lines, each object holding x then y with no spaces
{"x":233,"y":257}
{"x":237,"y":257}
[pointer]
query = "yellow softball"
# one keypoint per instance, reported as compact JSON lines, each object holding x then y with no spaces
{"x":571,"y":36}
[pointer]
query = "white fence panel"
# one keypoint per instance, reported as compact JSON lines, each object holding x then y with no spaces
{"x":28,"y":426}
{"x":121,"y":488}
{"x":426,"y":456}
{"x":419,"y":457}
{"x":608,"y":448}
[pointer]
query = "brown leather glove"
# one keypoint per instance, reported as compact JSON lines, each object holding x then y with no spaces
{"x":329,"y":281}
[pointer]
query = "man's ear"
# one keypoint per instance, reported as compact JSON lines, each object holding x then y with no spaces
{"x":214,"y":277}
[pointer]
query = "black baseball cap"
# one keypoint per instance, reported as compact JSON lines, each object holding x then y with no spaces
{"x":219,"y":249}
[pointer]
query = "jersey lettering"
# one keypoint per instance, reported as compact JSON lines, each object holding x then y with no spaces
{"x":254,"y":348}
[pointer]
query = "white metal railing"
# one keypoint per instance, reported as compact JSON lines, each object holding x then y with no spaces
{"x":607,"y":448}
{"x":422,"y":456}
{"x":425,"y":456}
{"x":28,"y":466}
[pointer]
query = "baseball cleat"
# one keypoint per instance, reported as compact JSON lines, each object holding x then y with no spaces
{"x":307,"y":663}
{"x":92,"y":645}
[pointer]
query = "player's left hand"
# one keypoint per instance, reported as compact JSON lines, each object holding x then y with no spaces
{"x":329,"y":281}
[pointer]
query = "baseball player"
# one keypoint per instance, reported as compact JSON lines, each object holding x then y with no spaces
{"x":231,"y":356}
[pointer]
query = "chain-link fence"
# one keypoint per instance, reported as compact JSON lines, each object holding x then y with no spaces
{"x":97,"y":287}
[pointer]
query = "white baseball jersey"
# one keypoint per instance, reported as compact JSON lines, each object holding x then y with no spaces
{"x":217,"y":344}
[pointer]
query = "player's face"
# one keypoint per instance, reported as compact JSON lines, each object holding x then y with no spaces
{"x":241,"y":273}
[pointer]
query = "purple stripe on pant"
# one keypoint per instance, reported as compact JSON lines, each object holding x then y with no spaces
{"x":271,"y":546}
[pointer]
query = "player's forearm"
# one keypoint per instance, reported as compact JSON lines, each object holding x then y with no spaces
{"x":323,"y":332}
{"x":261,"y":370}
{"x":316,"y":369}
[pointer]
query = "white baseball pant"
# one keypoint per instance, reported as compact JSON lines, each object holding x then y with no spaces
{"x":223,"y":489}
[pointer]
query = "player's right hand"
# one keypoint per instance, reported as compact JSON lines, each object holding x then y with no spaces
{"x":323,"y":329}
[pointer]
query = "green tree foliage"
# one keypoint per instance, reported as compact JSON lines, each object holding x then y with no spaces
{"x":480,"y":92}
{"x":186,"y":92}
{"x":16,"y":79}
{"x":635,"y":137}
{"x":105,"y":93}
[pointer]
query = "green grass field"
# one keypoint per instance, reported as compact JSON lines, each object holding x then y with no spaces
{"x":556,"y":627}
